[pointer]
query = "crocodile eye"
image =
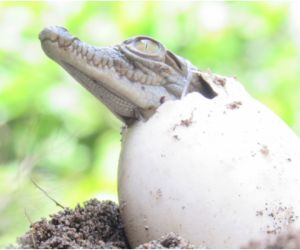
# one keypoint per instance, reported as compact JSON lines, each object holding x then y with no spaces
{"x":143,"y":47}
{"x":147,"y":46}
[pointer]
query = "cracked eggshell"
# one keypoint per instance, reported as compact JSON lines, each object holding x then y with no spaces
{"x":219,"y":172}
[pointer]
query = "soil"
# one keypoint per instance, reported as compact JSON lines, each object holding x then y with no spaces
{"x":98,"y":225}
{"x":94,"y":225}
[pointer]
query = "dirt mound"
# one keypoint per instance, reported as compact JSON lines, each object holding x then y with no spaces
{"x":95,"y":225}
{"x":98,"y":225}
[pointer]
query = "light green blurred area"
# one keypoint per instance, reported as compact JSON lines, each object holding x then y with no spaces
{"x":56,"y":133}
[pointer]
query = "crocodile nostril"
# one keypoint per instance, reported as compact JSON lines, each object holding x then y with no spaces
{"x":53,"y":32}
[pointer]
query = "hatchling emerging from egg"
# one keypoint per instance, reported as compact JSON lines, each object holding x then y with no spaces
{"x":200,"y":157}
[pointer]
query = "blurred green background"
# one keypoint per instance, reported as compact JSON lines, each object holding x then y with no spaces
{"x":54,"y":132}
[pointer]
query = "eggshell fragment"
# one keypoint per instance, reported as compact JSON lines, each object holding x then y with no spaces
{"x":219,"y":172}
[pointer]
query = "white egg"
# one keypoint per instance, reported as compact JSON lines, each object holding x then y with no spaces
{"x":219,"y":172}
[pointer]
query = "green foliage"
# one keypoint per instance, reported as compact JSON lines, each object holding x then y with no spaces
{"x":55,"y":132}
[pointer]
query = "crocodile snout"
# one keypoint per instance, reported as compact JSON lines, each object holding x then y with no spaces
{"x":56,"y":34}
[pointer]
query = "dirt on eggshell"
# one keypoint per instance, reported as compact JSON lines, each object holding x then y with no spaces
{"x":289,"y":240}
{"x":97,"y":224}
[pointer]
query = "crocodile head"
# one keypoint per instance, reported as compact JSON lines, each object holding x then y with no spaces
{"x":132,"y":79}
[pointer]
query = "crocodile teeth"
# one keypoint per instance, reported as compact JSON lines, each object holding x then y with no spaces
{"x":96,"y":60}
{"x":78,"y":50}
{"x":129,"y":74}
{"x":84,"y":50}
{"x":149,"y":79}
{"x":61,"y":41}
{"x":137,"y":75}
{"x":72,"y":47}
{"x":104,"y":61}
{"x":117,"y":65}
{"x":91,"y":53}
{"x":109,"y":62}
{"x":75,"y":45}
{"x":156,"y":80}
{"x":143,"y":78}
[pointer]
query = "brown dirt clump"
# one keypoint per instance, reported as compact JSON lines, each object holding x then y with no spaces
{"x":95,"y":225}
{"x":169,"y":241}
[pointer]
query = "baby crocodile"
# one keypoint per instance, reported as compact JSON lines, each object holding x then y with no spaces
{"x":132,"y":79}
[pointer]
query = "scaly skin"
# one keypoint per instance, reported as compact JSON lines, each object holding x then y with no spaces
{"x":132,"y":79}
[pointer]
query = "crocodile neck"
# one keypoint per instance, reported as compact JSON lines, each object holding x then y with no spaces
{"x":132,"y":78}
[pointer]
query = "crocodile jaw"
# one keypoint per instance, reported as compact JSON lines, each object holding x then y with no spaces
{"x":105,"y":73}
